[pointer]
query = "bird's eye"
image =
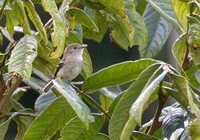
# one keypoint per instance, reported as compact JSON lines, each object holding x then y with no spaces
{"x":75,"y":48}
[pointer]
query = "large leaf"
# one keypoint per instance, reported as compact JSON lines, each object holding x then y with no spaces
{"x":144,"y":99}
{"x":140,"y":30}
{"x":181,"y":9}
{"x":140,"y":136}
{"x":158,"y":32}
{"x":83,"y":18}
{"x":121,"y":113}
{"x":165,"y":9}
{"x":52,"y":119}
{"x":81,"y":109}
{"x":22,"y":56}
{"x":76,"y":130}
{"x":33,"y":15}
{"x":179,"y":49}
{"x":60,"y":32}
{"x":116,"y":74}
{"x":101,"y":136}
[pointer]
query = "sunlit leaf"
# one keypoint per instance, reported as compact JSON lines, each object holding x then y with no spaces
{"x":50,"y":120}
{"x":121,"y":113}
{"x":87,"y":64}
{"x":36,"y":20}
{"x":81,"y":109}
{"x":60,"y":32}
{"x":116,"y":74}
{"x":22,"y":56}
{"x":76,"y":130}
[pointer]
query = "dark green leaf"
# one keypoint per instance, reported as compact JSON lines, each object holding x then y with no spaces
{"x":76,"y":130}
{"x":158,"y":32}
{"x":22,"y":56}
{"x":166,"y":10}
{"x":116,"y":74}
{"x":81,"y":109}
{"x":82,"y":18}
{"x":50,"y":120}
{"x":100,"y":20}
{"x":121,"y":112}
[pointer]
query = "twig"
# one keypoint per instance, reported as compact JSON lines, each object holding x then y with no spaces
{"x":156,"y":123}
{"x":2,"y":8}
{"x":17,"y":80}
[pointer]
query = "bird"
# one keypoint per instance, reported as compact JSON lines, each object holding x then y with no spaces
{"x":70,"y":65}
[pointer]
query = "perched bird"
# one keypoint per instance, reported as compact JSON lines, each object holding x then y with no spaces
{"x":70,"y":65}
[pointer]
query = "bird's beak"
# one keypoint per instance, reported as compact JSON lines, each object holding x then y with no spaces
{"x":84,"y":46}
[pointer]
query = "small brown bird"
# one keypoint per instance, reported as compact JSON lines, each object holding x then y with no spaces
{"x":70,"y":65}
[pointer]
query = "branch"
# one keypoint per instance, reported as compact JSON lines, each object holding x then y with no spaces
{"x":16,"y":80}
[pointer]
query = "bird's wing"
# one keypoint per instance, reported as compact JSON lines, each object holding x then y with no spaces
{"x":60,"y":65}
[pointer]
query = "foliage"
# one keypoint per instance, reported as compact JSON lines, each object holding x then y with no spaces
{"x":65,"y":112}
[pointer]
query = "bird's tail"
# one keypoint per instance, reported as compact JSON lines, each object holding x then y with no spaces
{"x":48,"y":86}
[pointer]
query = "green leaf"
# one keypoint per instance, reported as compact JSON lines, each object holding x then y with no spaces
{"x":100,"y":20}
{"x":82,"y":18}
{"x":87,"y":64}
{"x":1,"y":39}
{"x":116,"y":74}
{"x":140,"y":6}
{"x":179,"y":49}
{"x":20,"y":15}
{"x":4,"y":128}
{"x":23,"y":123}
{"x":181,"y":9}
{"x":22,"y":56}
{"x":51,"y":120}
{"x":60,"y":31}
{"x":121,"y":31}
{"x":193,"y":130}
{"x":116,"y":7}
{"x":195,"y":55}
{"x":43,"y":63}
{"x":140,"y":30}
{"x":81,"y":109}
{"x":34,"y":17}
{"x":75,"y":36}
{"x":166,"y":10}
{"x":121,"y":113}
{"x":158,"y":32}
{"x":76,"y":130}
{"x":101,"y":136}
{"x":141,"y":136}
{"x":141,"y":103}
